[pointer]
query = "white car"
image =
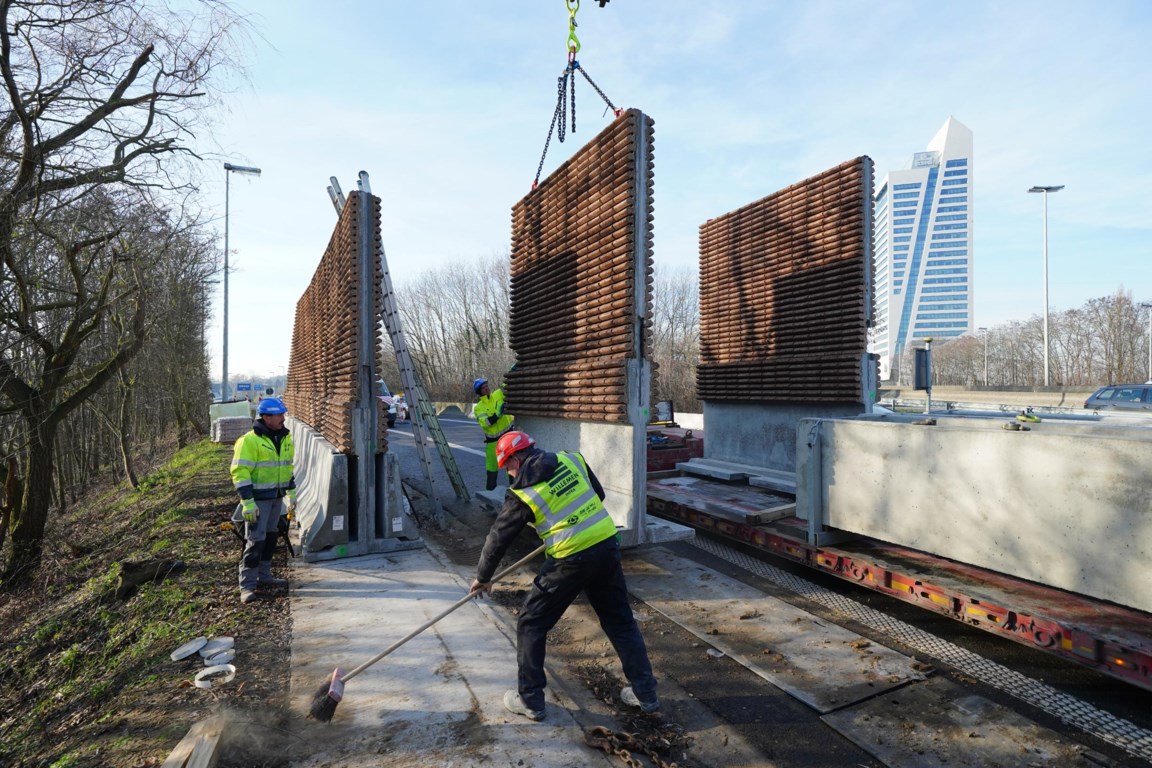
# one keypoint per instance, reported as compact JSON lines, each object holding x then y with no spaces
{"x":388,"y":400}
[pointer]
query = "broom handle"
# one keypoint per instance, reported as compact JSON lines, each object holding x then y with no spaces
{"x":445,"y":612}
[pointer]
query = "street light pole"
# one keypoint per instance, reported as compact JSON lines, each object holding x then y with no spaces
{"x":229,"y":169}
{"x":1045,"y":191}
{"x":1148,"y":306}
{"x":984,"y":331}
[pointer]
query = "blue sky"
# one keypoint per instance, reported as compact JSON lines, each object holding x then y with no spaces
{"x":446,"y":104}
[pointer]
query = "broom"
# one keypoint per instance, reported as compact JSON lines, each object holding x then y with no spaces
{"x":331,"y":691}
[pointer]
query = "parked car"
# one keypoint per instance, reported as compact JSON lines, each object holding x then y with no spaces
{"x":1121,"y":397}
{"x":385,"y":396}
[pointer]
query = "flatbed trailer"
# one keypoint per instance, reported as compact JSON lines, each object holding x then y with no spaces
{"x":1106,"y":637}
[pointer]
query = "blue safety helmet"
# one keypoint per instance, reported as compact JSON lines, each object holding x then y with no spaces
{"x":271,"y":406}
{"x":477,"y":384}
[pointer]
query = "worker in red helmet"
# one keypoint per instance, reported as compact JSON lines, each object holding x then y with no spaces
{"x":560,"y":496}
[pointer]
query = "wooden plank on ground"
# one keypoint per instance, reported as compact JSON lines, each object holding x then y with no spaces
{"x":200,"y":746}
{"x":206,"y":753}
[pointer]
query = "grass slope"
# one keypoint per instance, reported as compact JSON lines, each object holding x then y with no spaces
{"x":85,"y":677}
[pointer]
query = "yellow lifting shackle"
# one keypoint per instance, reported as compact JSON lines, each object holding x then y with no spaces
{"x":573,"y":41}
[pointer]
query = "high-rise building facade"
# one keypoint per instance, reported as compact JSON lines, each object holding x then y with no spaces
{"x":923,"y":249}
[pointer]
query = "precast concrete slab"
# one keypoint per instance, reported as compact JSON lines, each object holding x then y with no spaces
{"x":762,"y":434}
{"x":436,"y":700}
{"x":663,"y":531}
{"x":938,"y":724}
{"x":785,"y":482}
{"x":1063,"y":504}
{"x":735,"y":503}
{"x":493,"y":499}
{"x":719,"y":470}
{"x":761,"y":477}
{"x":823,"y":665}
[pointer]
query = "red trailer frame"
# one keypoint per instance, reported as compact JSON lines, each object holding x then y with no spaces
{"x":1106,"y":637}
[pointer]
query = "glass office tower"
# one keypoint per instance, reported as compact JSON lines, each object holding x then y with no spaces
{"x":923,"y":250}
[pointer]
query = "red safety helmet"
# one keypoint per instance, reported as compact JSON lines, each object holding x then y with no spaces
{"x":509,"y":443}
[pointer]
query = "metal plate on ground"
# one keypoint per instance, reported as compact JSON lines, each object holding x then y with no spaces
{"x":823,"y":665}
{"x":937,"y":723}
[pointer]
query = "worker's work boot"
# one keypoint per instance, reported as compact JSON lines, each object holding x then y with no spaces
{"x":631,"y":699}
{"x":513,"y":703}
{"x":493,"y":479}
{"x":267,"y":580}
{"x":247,"y":596}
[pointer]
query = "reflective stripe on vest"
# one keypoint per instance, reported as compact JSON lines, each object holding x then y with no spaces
{"x":257,"y":464}
{"x":569,"y":516}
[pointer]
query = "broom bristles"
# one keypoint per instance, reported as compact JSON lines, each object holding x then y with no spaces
{"x":326,"y":698}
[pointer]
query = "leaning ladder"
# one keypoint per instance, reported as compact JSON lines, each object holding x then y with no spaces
{"x":425,"y":418}
{"x":425,"y":424}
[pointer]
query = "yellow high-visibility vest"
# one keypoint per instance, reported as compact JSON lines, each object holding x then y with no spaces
{"x":569,"y":516}
{"x":490,"y":405}
{"x":256,"y":464}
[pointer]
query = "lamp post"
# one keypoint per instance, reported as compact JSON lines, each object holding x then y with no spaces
{"x":229,"y":169}
{"x":984,"y":332}
{"x":1148,"y":306}
{"x":1045,"y":191}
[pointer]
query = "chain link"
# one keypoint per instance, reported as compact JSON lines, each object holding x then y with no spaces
{"x":561,"y":105}
{"x":607,"y":101}
{"x":623,"y":745}
{"x":571,"y":67}
{"x":557,"y":118}
{"x":560,"y":115}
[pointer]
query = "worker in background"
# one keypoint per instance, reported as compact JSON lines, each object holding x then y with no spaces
{"x":558,"y":494}
{"x":262,"y":474}
{"x":489,"y":411}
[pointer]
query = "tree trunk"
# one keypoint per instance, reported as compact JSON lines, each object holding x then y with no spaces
{"x":28,"y":531}
{"x":61,"y":484}
{"x":13,"y":495}
{"x":124,"y":430}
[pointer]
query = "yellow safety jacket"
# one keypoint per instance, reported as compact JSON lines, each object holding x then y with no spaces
{"x":258,"y":470}
{"x":490,"y":406}
{"x":569,"y":516}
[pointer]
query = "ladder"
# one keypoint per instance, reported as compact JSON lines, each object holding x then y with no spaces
{"x":424,"y":417}
{"x":425,"y":424}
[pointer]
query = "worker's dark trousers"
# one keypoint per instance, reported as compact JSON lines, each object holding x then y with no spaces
{"x":260,"y":543}
{"x":596,"y":571}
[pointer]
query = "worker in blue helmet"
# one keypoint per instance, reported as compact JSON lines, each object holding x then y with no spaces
{"x":489,"y":412}
{"x":263,"y":477}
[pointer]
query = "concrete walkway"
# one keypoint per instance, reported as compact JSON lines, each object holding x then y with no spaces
{"x":438,"y":699}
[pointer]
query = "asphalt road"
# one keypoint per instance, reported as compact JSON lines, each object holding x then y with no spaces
{"x":787,"y":732}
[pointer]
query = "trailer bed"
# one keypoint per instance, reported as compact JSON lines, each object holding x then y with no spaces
{"x":1109,"y":638}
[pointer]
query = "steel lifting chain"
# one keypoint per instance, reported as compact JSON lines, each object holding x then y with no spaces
{"x":557,"y":118}
{"x":560,"y":115}
{"x":615,"y":110}
{"x":623,"y":745}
